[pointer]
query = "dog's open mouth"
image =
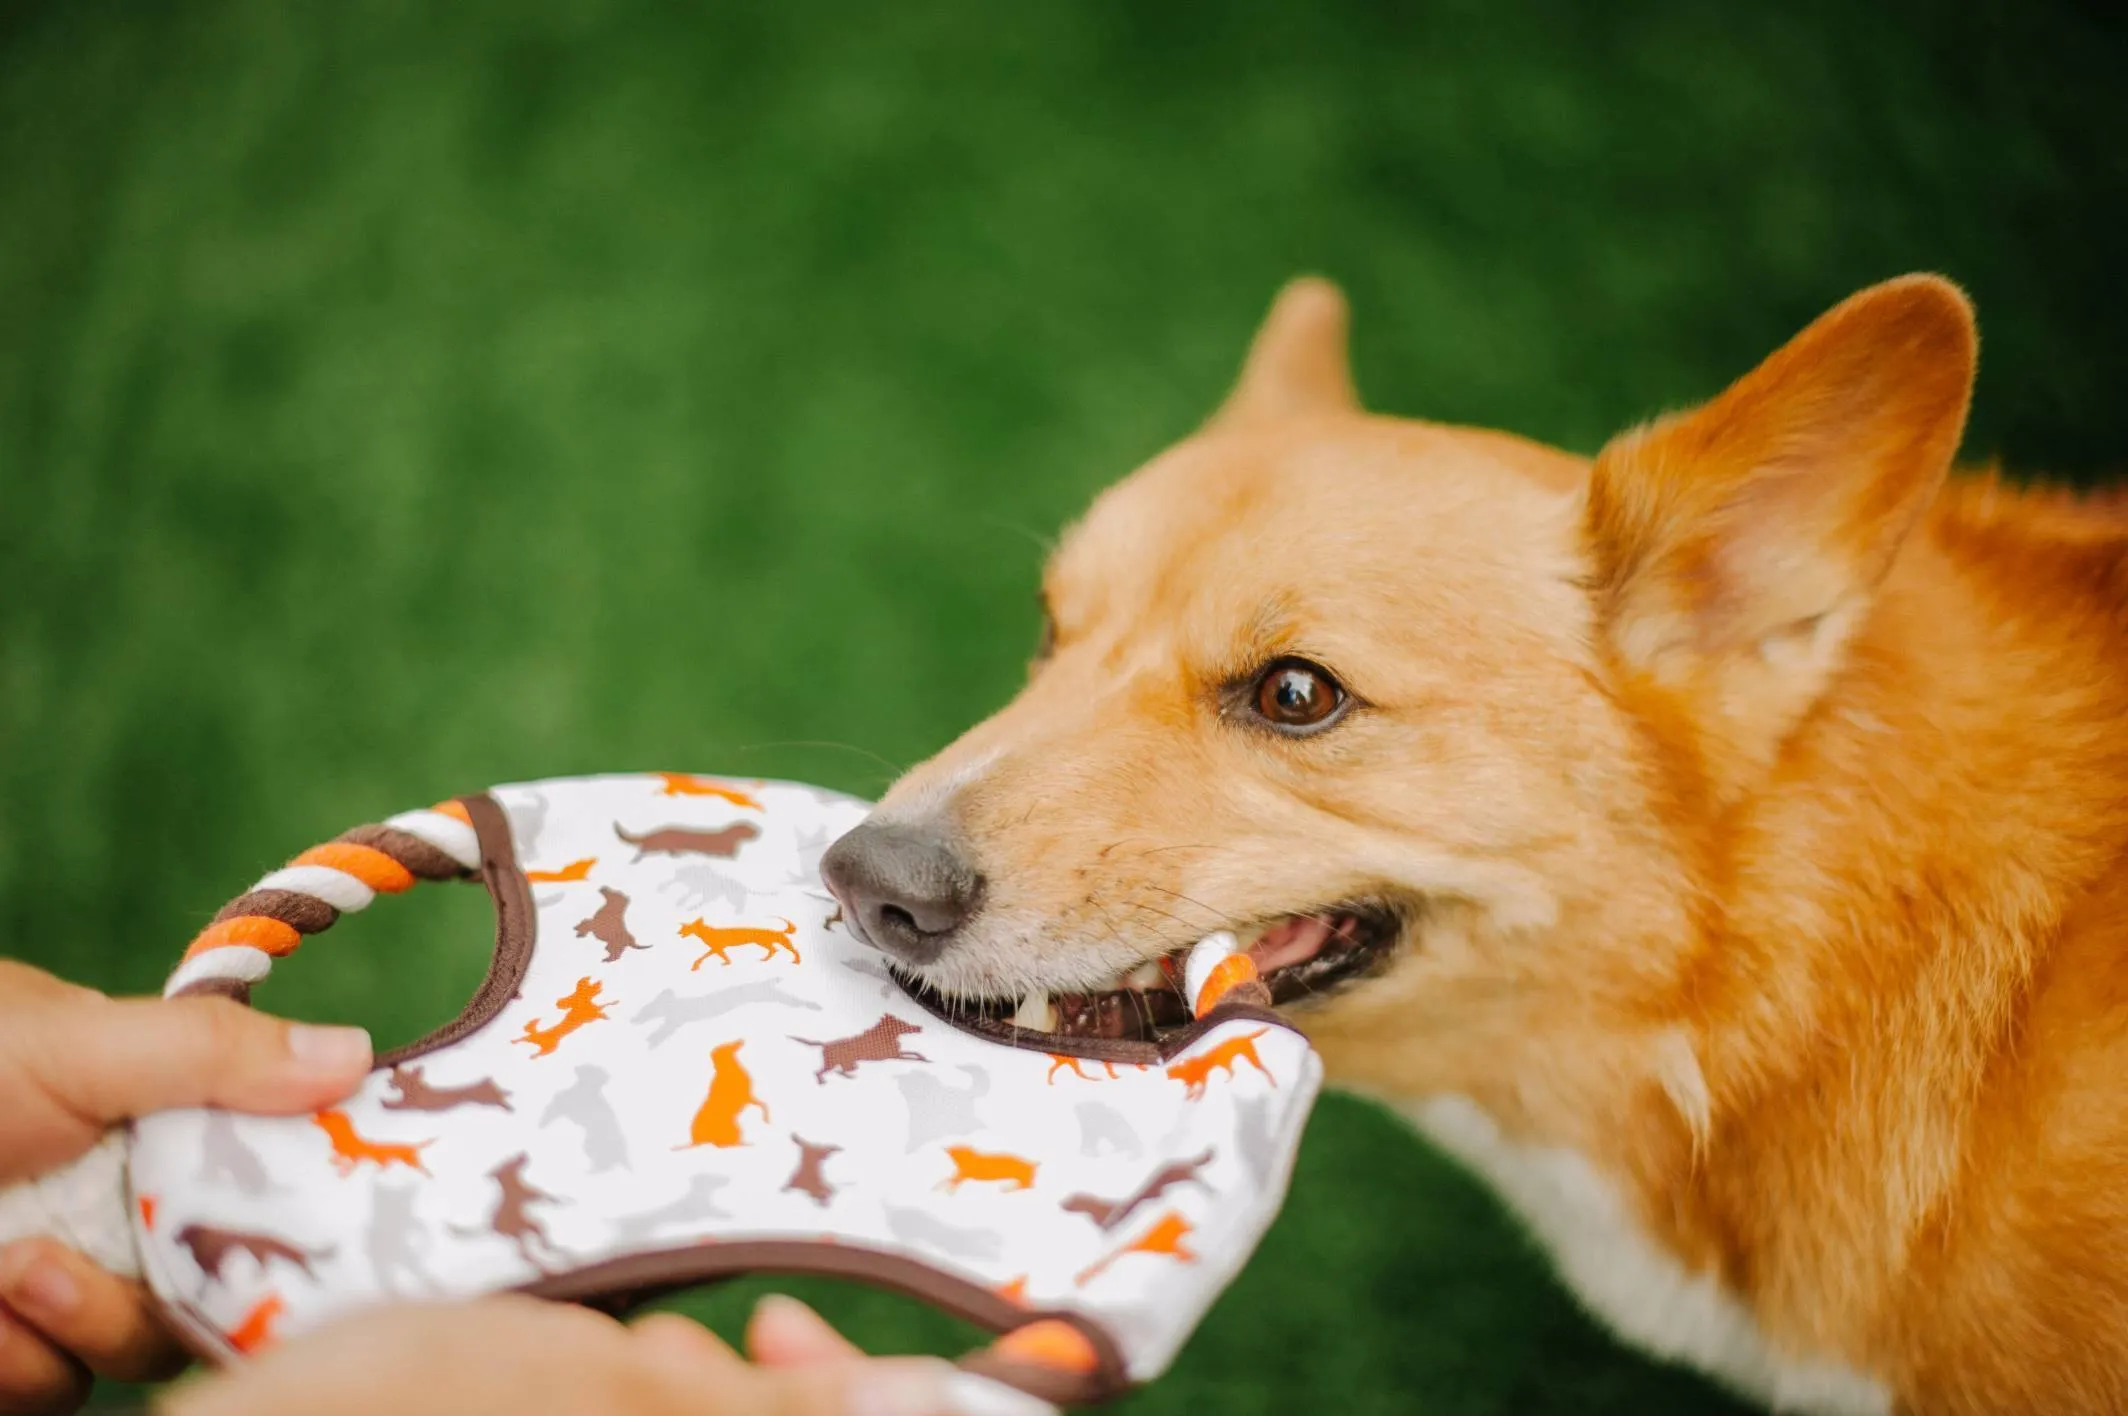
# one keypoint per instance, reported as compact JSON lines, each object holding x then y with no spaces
{"x":1297,"y":956}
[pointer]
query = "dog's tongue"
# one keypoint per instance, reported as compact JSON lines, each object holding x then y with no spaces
{"x":1291,"y":941}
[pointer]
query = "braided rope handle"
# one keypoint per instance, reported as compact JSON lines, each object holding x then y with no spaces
{"x":268,"y":921}
{"x":84,"y":1204}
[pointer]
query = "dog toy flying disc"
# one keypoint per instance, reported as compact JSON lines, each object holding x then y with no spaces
{"x":681,"y":1067}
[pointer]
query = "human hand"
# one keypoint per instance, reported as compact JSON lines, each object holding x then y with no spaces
{"x":533,"y":1358}
{"x":73,"y":1063}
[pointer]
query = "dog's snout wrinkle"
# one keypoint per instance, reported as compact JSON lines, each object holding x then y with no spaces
{"x":904,"y":889}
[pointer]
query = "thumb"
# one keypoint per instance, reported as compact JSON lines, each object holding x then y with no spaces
{"x":89,"y":1062}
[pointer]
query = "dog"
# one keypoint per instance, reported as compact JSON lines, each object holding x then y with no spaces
{"x":1718,"y":844}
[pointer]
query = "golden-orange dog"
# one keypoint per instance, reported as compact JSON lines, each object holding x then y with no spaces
{"x":1719,"y":845}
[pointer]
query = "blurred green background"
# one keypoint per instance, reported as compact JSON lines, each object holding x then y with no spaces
{"x":397,"y":398}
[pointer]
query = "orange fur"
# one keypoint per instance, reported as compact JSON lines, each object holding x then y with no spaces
{"x":1756,"y":797}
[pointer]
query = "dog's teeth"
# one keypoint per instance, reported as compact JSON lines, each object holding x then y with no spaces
{"x":1036,"y":1014}
{"x":1146,"y":977}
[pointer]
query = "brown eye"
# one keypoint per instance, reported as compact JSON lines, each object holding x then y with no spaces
{"x":1296,"y":695}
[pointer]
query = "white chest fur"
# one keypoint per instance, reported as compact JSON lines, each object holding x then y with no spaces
{"x":1628,"y":1280}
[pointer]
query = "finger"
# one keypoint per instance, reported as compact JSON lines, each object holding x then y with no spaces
{"x":107,"y":1061}
{"x":889,"y":1386}
{"x":784,"y":1332}
{"x":35,"y":1380}
{"x":102,"y":1321}
{"x":669,"y":1338}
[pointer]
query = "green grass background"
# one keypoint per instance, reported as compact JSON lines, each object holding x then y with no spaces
{"x":397,"y":398}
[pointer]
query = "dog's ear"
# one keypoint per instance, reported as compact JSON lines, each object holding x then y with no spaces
{"x":1737,"y":545}
{"x":1297,"y":363}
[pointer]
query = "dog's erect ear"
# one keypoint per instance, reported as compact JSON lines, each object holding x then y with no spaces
{"x":1736,"y":545}
{"x":1298,"y":362}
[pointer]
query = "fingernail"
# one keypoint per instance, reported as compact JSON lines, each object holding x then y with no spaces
{"x":328,"y":1049}
{"x":43,"y":1289}
{"x":903,"y":1389}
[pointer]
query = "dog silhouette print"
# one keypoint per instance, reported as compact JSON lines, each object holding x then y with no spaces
{"x":702,"y":883}
{"x":210,"y":1249}
{"x":717,"y":939}
{"x":1110,"y":1213}
{"x":937,"y":1110}
{"x":260,"y":1326}
{"x":512,"y":1217}
{"x":915,"y":1226}
{"x":1165,"y":1238}
{"x":731,"y":1095}
{"x":579,"y":1009}
{"x":583,"y":1104}
{"x":1196,"y":1073}
{"x":723,"y":843}
{"x":809,"y":1178}
{"x":412,"y":1093}
{"x":609,"y":925}
{"x":880,"y":1042}
{"x":671,"y":1012}
{"x":396,"y":1240}
{"x":574,"y":873}
{"x":697,"y":1202}
{"x":224,"y":1156}
{"x":683,"y":784}
{"x":1103,"y":1131}
{"x":1062,"y":1062}
{"x":974,"y":1165}
{"x":349,"y":1150}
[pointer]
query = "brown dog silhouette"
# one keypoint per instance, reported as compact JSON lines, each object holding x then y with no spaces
{"x":680,"y":840}
{"x":610,"y":925}
{"x":512,"y":1217}
{"x":1110,"y":1213}
{"x":415,"y":1094}
{"x":211,"y":1249}
{"x":808,"y":1178}
{"x":880,"y":1042}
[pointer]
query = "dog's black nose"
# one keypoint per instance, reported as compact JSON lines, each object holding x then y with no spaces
{"x":904,"y":889}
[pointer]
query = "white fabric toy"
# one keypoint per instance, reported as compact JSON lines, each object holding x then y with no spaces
{"x":680,"y":1068}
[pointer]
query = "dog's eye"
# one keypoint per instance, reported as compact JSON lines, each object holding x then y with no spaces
{"x":1298,"y":696}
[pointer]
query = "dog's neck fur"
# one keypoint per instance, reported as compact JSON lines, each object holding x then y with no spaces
{"x":1711,"y":1215}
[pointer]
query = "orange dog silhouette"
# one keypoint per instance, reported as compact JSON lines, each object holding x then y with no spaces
{"x":717,"y":939}
{"x":350,"y":1150}
{"x":259,"y":1326}
{"x":578,"y":1009}
{"x":1058,"y":1062}
{"x":1165,"y":1237}
{"x":569,"y":874}
{"x":987,"y":1165}
{"x":731,"y":1092}
{"x":684,"y":784}
{"x":1195,"y":1073}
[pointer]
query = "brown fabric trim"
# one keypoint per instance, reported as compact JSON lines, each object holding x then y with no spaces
{"x":418,"y":856}
{"x":1107,"y":1049}
{"x":515,"y":925}
{"x":618,"y":1285}
{"x":307,"y":914}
